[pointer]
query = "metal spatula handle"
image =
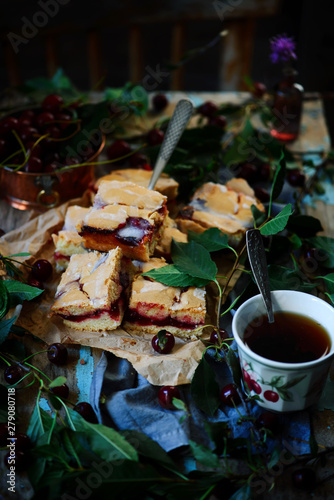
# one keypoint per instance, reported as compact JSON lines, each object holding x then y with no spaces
{"x":176,"y":126}
{"x":258,"y":262}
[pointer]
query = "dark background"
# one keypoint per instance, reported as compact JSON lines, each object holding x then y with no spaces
{"x":308,"y":21}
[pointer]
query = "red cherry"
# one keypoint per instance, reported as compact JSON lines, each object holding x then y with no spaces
{"x":71,"y":160}
{"x":24,"y":122}
{"x":42,"y":269}
{"x":166,"y":395}
{"x":13,"y":374}
{"x":34,"y":149}
{"x":2,"y":232}
{"x":214,"y":338}
{"x":57,"y":354}
{"x":229,"y":395}
{"x":155,"y":137}
{"x":247,"y":171}
{"x":270,"y":421}
{"x":36,"y":283}
{"x":86,"y":411}
{"x":44,"y":119}
{"x":28,"y":133}
{"x":3,"y":147}
{"x":63,"y":120}
{"x":208,"y":108}
{"x":255,"y":386}
{"x":261,"y":194}
{"x":52,"y":103}
{"x":51,"y":167}
{"x":304,"y":478}
{"x":264,"y":173}
{"x":296,"y":178}
{"x":61,"y":391}
{"x":53,"y":132}
{"x":8,"y":124}
{"x":138,"y":159}
{"x":28,"y":114}
{"x":218,"y":121}
{"x":159,"y":102}
{"x":271,"y":396}
{"x":118,"y":149}
{"x":259,"y":89}
{"x":163,"y":342}
{"x":34,"y":165}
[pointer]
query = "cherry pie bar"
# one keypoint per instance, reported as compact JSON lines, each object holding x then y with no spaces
{"x":68,"y":242}
{"x":227,"y":207}
{"x":171,"y":232}
{"x":125,"y":215}
{"x":154,"y":306}
{"x":93,"y":291}
{"x":165,"y":185}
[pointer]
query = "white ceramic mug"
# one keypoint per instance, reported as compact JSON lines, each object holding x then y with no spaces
{"x":284,"y":387}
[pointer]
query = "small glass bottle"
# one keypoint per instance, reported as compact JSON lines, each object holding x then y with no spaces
{"x":287,"y":108}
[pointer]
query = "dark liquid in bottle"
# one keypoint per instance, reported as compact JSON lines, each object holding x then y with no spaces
{"x":292,"y":338}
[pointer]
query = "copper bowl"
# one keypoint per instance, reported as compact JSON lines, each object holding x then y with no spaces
{"x":40,"y":191}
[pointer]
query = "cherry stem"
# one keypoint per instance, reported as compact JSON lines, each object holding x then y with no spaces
{"x":219,"y":307}
{"x":34,"y":354}
{"x":39,"y":371}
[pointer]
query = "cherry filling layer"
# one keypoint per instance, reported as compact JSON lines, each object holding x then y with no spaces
{"x":133,"y":232}
{"x":133,"y":316}
{"x":113,"y":312}
{"x":61,"y":256}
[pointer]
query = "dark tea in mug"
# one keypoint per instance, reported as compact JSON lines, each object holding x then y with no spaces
{"x":292,"y":338}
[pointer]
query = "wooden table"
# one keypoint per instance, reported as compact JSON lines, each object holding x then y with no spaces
{"x":314,"y":137}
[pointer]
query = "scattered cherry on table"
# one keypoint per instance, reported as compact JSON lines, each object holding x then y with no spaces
{"x":62,"y":391}
{"x":166,"y":395}
{"x":229,"y":395}
{"x":159,"y":102}
{"x":13,"y":374}
{"x":57,"y":354}
{"x":42,"y":269}
{"x":163,"y":342}
{"x":86,"y":411}
{"x":155,"y":137}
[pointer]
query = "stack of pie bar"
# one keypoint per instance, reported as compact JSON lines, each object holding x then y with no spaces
{"x":104,"y":250}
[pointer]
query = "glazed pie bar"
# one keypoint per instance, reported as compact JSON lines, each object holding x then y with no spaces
{"x":93,"y":291}
{"x":171,"y":232}
{"x":227,"y":207}
{"x":165,"y":185}
{"x":68,"y":242}
{"x":154,"y":306}
{"x":125,"y":215}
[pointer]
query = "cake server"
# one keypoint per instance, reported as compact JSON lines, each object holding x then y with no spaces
{"x":258,"y":263}
{"x":176,"y":126}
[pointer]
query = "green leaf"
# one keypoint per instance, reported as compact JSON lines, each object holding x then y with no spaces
{"x":212,"y":239}
{"x":218,"y":432}
{"x":4,"y":299}
{"x":179,"y":404}
{"x":204,"y":455}
{"x":329,"y":281}
{"x":57,"y":382}
{"x":5,"y":326}
{"x":326,"y":244}
{"x":295,"y":241}
{"x":104,"y":441}
{"x":171,"y":276}
{"x":19,"y":292}
{"x":278,"y":181}
{"x":278,"y":223}
{"x":148,"y":448}
{"x":284,"y":278}
{"x":244,"y":493}
{"x":304,"y":226}
{"x":40,"y":421}
{"x":204,"y":388}
{"x":233,"y":363}
{"x":258,"y":216}
{"x":193,"y":259}
{"x":326,"y":401}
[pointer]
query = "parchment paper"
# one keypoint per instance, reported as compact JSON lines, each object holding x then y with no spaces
{"x":175,"y":368}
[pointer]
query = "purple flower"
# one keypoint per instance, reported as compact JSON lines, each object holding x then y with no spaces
{"x":282,"y":49}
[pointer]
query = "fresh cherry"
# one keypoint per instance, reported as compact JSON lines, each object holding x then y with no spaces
{"x":218,"y":121}
{"x":13,"y":374}
{"x":270,"y":421}
{"x":155,"y":137}
{"x":20,"y":460}
{"x":57,"y":354}
{"x":34,"y":149}
{"x":22,"y":441}
{"x":304,"y":478}
{"x":52,"y":103}
{"x":229,"y":395}
{"x":118,"y":149}
{"x":262,"y":194}
{"x":2,"y":232}
{"x":138,"y":159}
{"x":208,"y":108}
{"x":296,"y":178}
{"x":28,"y":114}
{"x":34,"y":165}
{"x":44,"y":119}
{"x":214,"y":337}
{"x":42,"y":269}
{"x":247,"y":171}
{"x":271,"y":396}
{"x":35,"y":283}
{"x":159,"y":102}
{"x":86,"y":411}
{"x":3,"y":434}
{"x":166,"y":395}
{"x":264,"y":171}
{"x":259,"y":89}
{"x":61,"y":391}
{"x":8,"y":124}
{"x":28,"y":133}
{"x":163,"y":342}
{"x":63,"y":120}
{"x":53,"y":132}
